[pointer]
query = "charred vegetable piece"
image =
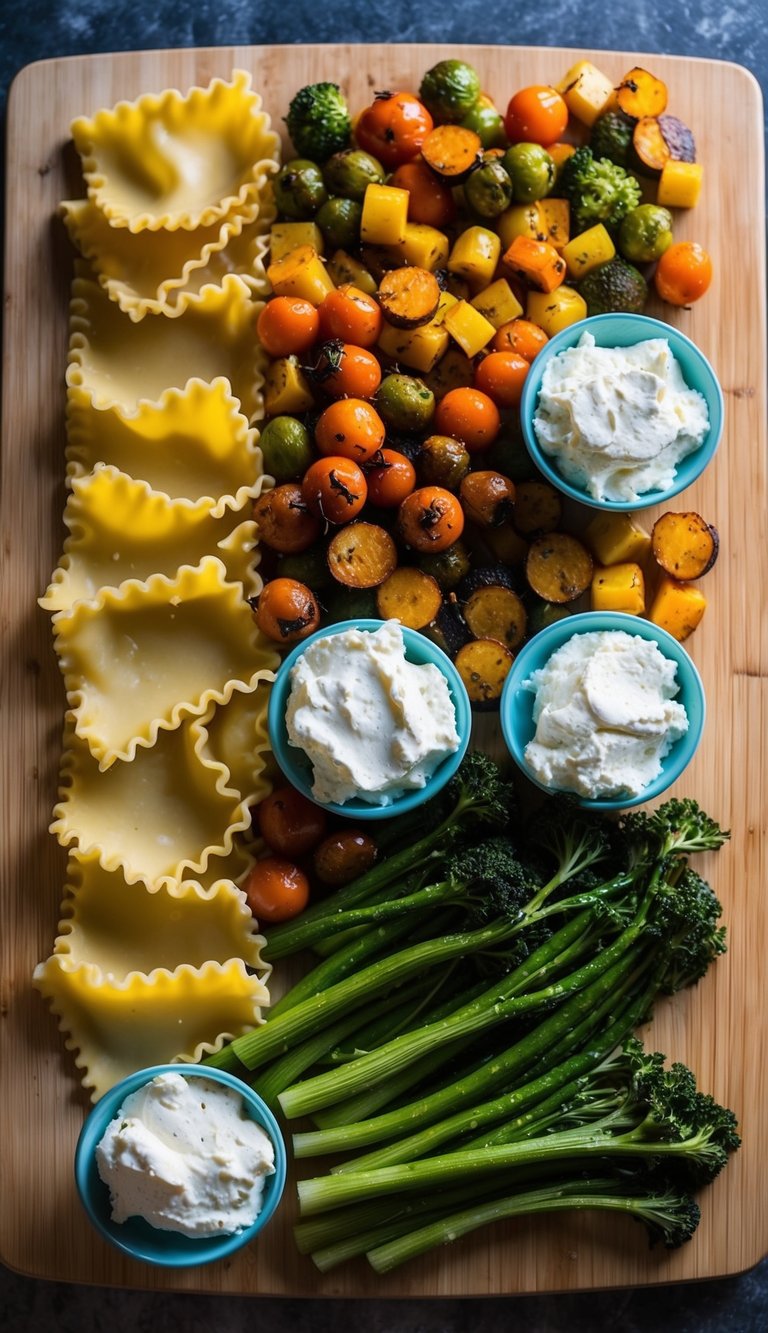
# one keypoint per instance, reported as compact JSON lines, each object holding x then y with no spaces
{"x":650,"y":148}
{"x":678,"y":138}
{"x":487,"y":498}
{"x":450,"y":89}
{"x":641,"y":94}
{"x":430,"y":519}
{"x":542,"y":614}
{"x":299,"y":189}
{"x":538,"y":508}
{"x":506,"y":544}
{"x":616,"y":285}
{"x":334,"y":488}
{"x":310,"y":567}
{"x":350,"y":173}
{"x":409,"y":297}
{"x":405,"y":403}
{"x":611,"y":136}
{"x":496,"y":613}
{"x":484,"y":665}
{"x":287,"y":611}
{"x":486,"y":576}
{"x":685,"y":545}
{"x":449,"y":567}
{"x":677,"y":607}
{"x":443,"y":461}
{"x":342,"y":856}
{"x":449,"y":630}
{"x":558,"y":567}
{"x":318,"y":121}
{"x":346,"y":603}
{"x":284,"y":521}
{"x":454,"y":370}
{"x":410,"y":596}
{"x":361,"y":555}
{"x":452,"y":152}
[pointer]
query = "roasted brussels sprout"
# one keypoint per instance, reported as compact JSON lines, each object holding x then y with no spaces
{"x":286,"y":449}
{"x":318,"y":121}
{"x":299,"y":189}
{"x":339,"y":221}
{"x":488,"y":189}
{"x":405,"y":403}
{"x":645,"y":233}
{"x":531,"y":170}
{"x":350,"y":173}
{"x":450,"y":89}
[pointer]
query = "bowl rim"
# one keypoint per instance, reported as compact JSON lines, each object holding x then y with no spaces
{"x":357,"y":809}
{"x":184,"y":1251}
{"x":552,"y":637}
{"x":653,"y":327}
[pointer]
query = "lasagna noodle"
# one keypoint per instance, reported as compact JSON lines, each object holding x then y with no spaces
{"x":238,"y":738}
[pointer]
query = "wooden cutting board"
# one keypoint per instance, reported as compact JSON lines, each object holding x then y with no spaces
{"x":720,"y":1027}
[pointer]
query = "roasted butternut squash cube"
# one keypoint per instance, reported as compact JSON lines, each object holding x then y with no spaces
{"x":588,"y":250}
{"x":553,"y":311}
{"x":615,"y":538}
{"x":475,"y":255}
{"x":587,"y":92}
{"x":521,"y":220}
{"x":423,"y":247}
{"x":418,"y":348}
{"x":301,"y":273}
{"x":447,"y":302}
{"x":343,"y":267}
{"x":287,"y":236}
{"x":471,"y":330}
{"x":536,"y":261}
{"x":454,"y":370}
{"x":556,"y":216}
{"x":680,"y":184}
{"x":286,"y":389}
{"x":618,"y":588}
{"x":385,"y":215}
{"x":677,"y":607}
{"x":497,"y":303}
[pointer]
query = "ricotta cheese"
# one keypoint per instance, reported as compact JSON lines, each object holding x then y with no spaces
{"x":605,"y":715}
{"x":183,"y":1155}
{"x":616,"y":421}
{"x":373,"y":724}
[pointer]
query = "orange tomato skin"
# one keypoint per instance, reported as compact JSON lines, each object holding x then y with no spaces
{"x":393,"y":128}
{"x":290,"y":824}
{"x":287,"y":325}
{"x":284,"y":521}
{"x":469,"y":415}
{"x":335,"y":489}
{"x":351,"y":316}
{"x":537,"y":114}
{"x":391,"y":479}
{"x":683,"y":273}
{"x":502,"y":375}
{"x":275,"y":889}
{"x":521,"y":336}
{"x":343,"y":856}
{"x":430,"y":519}
{"x":430,"y":202}
{"x":350,"y":428}
{"x":358,"y":374}
{"x":287,"y":611}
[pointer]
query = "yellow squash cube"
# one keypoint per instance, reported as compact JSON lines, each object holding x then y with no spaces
{"x":418,"y":348}
{"x":680,"y":184}
{"x":619,"y":588}
{"x":287,"y":236}
{"x":422,"y":246}
{"x":587,"y":91}
{"x":587,"y":251}
{"x":556,"y":217}
{"x":471,"y":330}
{"x":452,"y":371}
{"x":497,"y":303}
{"x":677,"y":607}
{"x":475,"y":256}
{"x":345,"y":268}
{"x":385,"y":214}
{"x":521,"y":220}
{"x":614,"y":538}
{"x":553,"y":311}
{"x":286,"y":390}
{"x":301,"y":273}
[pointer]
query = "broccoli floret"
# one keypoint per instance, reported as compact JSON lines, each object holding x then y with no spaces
{"x":611,"y":137}
{"x":615,"y":285}
{"x":598,"y":190}
{"x":683,"y":827}
{"x":480,"y":793}
{"x":575,"y":840}
{"x":667,"y":1215}
{"x":318,"y":121}
{"x":685,"y":916}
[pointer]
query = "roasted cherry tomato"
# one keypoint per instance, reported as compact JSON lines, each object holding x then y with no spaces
{"x":335,"y":489}
{"x":350,"y":428}
{"x":344,"y":370}
{"x":537,"y":114}
{"x":287,"y":611}
{"x":284,"y":522}
{"x":344,"y":855}
{"x":429,"y":201}
{"x":351,"y":315}
{"x":430,"y":519}
{"x":287,"y":325}
{"x":390,"y":478}
{"x":683,"y":273}
{"x":468,"y":415}
{"x":521,"y":336}
{"x":393,"y":128}
{"x":502,"y":375}
{"x":276,"y":889}
{"x":290,"y":824}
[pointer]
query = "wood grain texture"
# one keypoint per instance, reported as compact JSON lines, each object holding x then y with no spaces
{"x":720,"y":1028}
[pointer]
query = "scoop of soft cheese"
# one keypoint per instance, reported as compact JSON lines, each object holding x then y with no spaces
{"x":605,"y":715}
{"x":183,"y":1155}
{"x":373,"y":724}
{"x":617,"y":420}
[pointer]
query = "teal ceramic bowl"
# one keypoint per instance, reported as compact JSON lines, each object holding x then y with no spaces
{"x":298,"y":768}
{"x":517,"y":701}
{"x":136,"y":1237}
{"x":618,"y":330}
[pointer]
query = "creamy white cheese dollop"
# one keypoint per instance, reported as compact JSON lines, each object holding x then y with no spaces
{"x":373,"y":724}
{"x":616,"y":421}
{"x":183,"y":1154}
{"x":605,"y":715}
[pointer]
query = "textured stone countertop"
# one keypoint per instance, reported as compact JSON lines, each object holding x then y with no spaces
{"x":719,"y":29}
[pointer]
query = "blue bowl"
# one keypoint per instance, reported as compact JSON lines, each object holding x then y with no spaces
{"x":298,"y":768}
{"x":136,"y":1237}
{"x":517,"y":703}
{"x":618,"y":330}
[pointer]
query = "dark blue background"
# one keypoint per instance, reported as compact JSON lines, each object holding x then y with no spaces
{"x":734,"y":30}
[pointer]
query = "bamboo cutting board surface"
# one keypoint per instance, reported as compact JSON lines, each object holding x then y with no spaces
{"x":720,"y":1027}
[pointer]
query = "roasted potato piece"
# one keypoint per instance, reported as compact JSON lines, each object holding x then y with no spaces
{"x":409,"y":297}
{"x":619,"y":588}
{"x":496,"y":613}
{"x":677,"y":607}
{"x":361,"y":555}
{"x":641,"y":94}
{"x":484,"y":665}
{"x":538,"y":508}
{"x":685,"y":545}
{"x":410,"y":596}
{"x":558,"y":567}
